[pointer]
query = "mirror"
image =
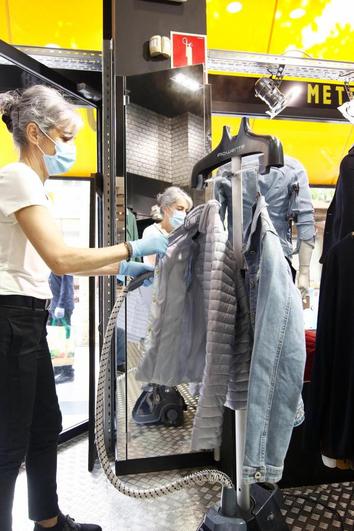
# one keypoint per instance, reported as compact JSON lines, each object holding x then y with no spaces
{"x":71,"y":202}
{"x":167,"y":130}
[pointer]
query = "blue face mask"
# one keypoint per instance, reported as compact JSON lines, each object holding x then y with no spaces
{"x":177,"y":219}
{"x":63,"y":158}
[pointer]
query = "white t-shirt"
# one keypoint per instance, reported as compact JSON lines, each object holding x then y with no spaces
{"x":22,"y":270}
{"x":155,"y":228}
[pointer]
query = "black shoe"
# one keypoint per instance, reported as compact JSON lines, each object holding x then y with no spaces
{"x":64,"y":377}
{"x":121,"y":367}
{"x":65,"y":523}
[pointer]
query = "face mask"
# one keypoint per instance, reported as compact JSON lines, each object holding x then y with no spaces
{"x":177,"y":219}
{"x":63,"y":158}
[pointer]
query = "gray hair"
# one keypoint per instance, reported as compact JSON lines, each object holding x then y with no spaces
{"x":168,"y":198}
{"x":40,"y":104}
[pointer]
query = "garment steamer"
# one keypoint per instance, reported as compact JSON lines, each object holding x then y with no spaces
{"x":226,"y":516}
{"x":194,"y":479}
{"x":258,"y":505}
{"x":159,"y":404}
{"x":256,"y":508}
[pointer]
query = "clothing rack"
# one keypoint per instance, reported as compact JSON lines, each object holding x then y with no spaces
{"x":243,"y":490}
{"x":254,"y":508}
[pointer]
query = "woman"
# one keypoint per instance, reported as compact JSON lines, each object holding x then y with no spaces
{"x":44,"y":127}
{"x":169,"y":213}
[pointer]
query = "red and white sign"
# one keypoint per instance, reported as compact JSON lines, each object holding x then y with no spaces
{"x":188,"y":49}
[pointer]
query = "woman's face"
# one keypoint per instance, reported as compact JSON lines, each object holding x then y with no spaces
{"x":180,"y":205}
{"x":57,"y":135}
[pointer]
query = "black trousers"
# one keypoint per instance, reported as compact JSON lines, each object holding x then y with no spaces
{"x":30,"y":418}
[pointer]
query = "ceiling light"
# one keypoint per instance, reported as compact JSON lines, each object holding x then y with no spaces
{"x":297,"y":13}
{"x":186,"y":82}
{"x":294,"y":93}
{"x":267,"y":90}
{"x":234,"y":7}
{"x":347,"y":109}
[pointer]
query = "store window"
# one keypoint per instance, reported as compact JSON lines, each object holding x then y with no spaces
{"x":68,"y":324}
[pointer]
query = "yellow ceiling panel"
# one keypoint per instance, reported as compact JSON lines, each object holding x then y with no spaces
{"x":243,"y":26}
{"x":4,"y":21}
{"x":324,"y":29}
{"x":64,"y":24}
{"x":320,"y":146}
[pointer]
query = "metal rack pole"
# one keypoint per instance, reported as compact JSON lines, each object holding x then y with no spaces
{"x":243,"y":490}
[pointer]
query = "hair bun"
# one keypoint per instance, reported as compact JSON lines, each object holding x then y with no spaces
{"x":6,"y":118}
{"x":8,"y":103}
{"x":155,"y":213}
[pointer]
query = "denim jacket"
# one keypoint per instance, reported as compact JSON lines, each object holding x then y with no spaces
{"x":278,"y":356}
{"x":286,"y":191}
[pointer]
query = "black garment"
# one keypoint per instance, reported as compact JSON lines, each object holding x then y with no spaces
{"x":331,"y":411}
{"x":30,"y":419}
{"x":340,"y":214}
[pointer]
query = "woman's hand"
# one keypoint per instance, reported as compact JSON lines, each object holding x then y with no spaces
{"x":59,"y":312}
{"x":156,"y":244}
{"x":135,"y":269}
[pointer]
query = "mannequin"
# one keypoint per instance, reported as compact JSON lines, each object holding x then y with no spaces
{"x":303,"y":279}
{"x":288,"y":196}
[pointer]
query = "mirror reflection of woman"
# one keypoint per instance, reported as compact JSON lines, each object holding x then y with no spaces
{"x":44,"y":126}
{"x":169,"y":213}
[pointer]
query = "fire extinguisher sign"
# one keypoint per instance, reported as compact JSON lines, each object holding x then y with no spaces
{"x":187,"y":49}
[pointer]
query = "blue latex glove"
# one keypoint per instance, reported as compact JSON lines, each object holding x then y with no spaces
{"x":59,"y":312}
{"x":156,"y":244}
{"x":134,"y":269}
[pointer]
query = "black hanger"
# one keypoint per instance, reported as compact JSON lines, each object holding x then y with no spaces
{"x":243,"y":144}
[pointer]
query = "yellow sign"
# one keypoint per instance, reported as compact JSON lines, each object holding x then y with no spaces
{"x":321,"y":94}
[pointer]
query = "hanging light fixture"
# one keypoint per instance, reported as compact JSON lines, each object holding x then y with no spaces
{"x":347,"y":109}
{"x":267,"y":89}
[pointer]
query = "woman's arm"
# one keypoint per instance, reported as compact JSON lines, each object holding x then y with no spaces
{"x":112,"y":269}
{"x":42,"y":231}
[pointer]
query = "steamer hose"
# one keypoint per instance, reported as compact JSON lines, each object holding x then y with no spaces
{"x":196,"y":478}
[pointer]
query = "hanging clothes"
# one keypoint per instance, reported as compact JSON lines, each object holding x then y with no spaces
{"x":176,"y":342}
{"x":278,"y":355}
{"x":331,"y":409}
{"x":193,"y":317}
{"x":340,"y":214}
{"x":286,"y":191}
{"x":331,"y":406}
{"x":223,"y":383}
{"x":131,"y":227}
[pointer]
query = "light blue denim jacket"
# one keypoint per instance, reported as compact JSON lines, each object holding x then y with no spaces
{"x":286,"y":191}
{"x":278,"y":356}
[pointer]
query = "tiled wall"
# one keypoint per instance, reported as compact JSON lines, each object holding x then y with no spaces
{"x":163,"y":148}
{"x":148,"y":143}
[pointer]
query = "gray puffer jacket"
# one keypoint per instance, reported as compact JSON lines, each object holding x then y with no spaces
{"x":191,"y":336}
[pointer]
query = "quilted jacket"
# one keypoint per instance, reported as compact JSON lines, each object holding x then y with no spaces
{"x":191,"y":336}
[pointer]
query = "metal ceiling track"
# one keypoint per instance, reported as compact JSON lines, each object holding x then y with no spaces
{"x":63,"y":59}
{"x":230,"y":62}
{"x":261,"y":64}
